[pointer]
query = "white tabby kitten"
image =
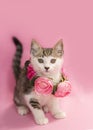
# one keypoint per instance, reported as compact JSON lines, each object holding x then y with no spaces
{"x":47,"y":62}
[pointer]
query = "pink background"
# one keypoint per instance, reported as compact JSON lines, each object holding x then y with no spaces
{"x":48,"y":21}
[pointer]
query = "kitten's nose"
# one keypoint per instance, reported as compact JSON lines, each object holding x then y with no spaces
{"x":46,"y":68}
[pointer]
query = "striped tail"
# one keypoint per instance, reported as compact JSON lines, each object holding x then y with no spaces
{"x":17,"y":57}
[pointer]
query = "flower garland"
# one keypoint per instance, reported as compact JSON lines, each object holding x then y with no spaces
{"x":45,"y":86}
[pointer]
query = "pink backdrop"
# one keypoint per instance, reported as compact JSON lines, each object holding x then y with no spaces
{"x":48,"y":21}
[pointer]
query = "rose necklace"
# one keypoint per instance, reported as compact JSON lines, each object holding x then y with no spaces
{"x":45,"y":86}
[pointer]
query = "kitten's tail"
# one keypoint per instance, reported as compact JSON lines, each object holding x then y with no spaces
{"x":17,"y":57}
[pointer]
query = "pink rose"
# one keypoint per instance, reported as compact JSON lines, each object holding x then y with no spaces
{"x":43,"y":86}
{"x":63,"y":89}
{"x":30,"y":72}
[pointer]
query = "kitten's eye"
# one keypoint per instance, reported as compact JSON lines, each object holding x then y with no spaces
{"x":53,"y":61}
{"x":40,"y":60}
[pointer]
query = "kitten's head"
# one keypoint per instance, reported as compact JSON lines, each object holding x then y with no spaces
{"x":47,"y":61}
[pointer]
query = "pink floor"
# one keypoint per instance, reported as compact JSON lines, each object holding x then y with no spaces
{"x":48,"y":21}
{"x":79,"y":109}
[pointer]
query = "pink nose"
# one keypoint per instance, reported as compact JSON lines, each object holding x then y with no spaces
{"x":46,"y":68}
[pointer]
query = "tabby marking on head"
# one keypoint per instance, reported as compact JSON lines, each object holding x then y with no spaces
{"x":47,"y":61}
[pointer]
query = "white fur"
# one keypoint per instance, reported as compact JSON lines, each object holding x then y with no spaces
{"x":22,"y":110}
{"x":38,"y":114}
{"x":51,"y":102}
{"x":54,"y":69}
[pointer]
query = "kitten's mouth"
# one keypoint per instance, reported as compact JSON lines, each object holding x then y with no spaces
{"x":46,"y":71}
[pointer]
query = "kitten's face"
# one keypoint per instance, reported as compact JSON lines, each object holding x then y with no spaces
{"x":47,"y":61}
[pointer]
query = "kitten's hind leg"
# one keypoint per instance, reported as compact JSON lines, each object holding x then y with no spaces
{"x":22,"y":110}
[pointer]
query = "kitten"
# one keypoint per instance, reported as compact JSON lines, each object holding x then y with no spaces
{"x":47,"y":62}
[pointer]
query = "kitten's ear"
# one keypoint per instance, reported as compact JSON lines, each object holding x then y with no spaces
{"x":35,"y":48}
{"x":58,"y":48}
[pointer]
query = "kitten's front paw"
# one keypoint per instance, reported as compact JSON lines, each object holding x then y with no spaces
{"x":41,"y":121}
{"x":60,"y":115}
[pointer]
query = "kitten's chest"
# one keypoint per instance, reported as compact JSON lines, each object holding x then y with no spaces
{"x":56,"y":79}
{"x":43,"y":99}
